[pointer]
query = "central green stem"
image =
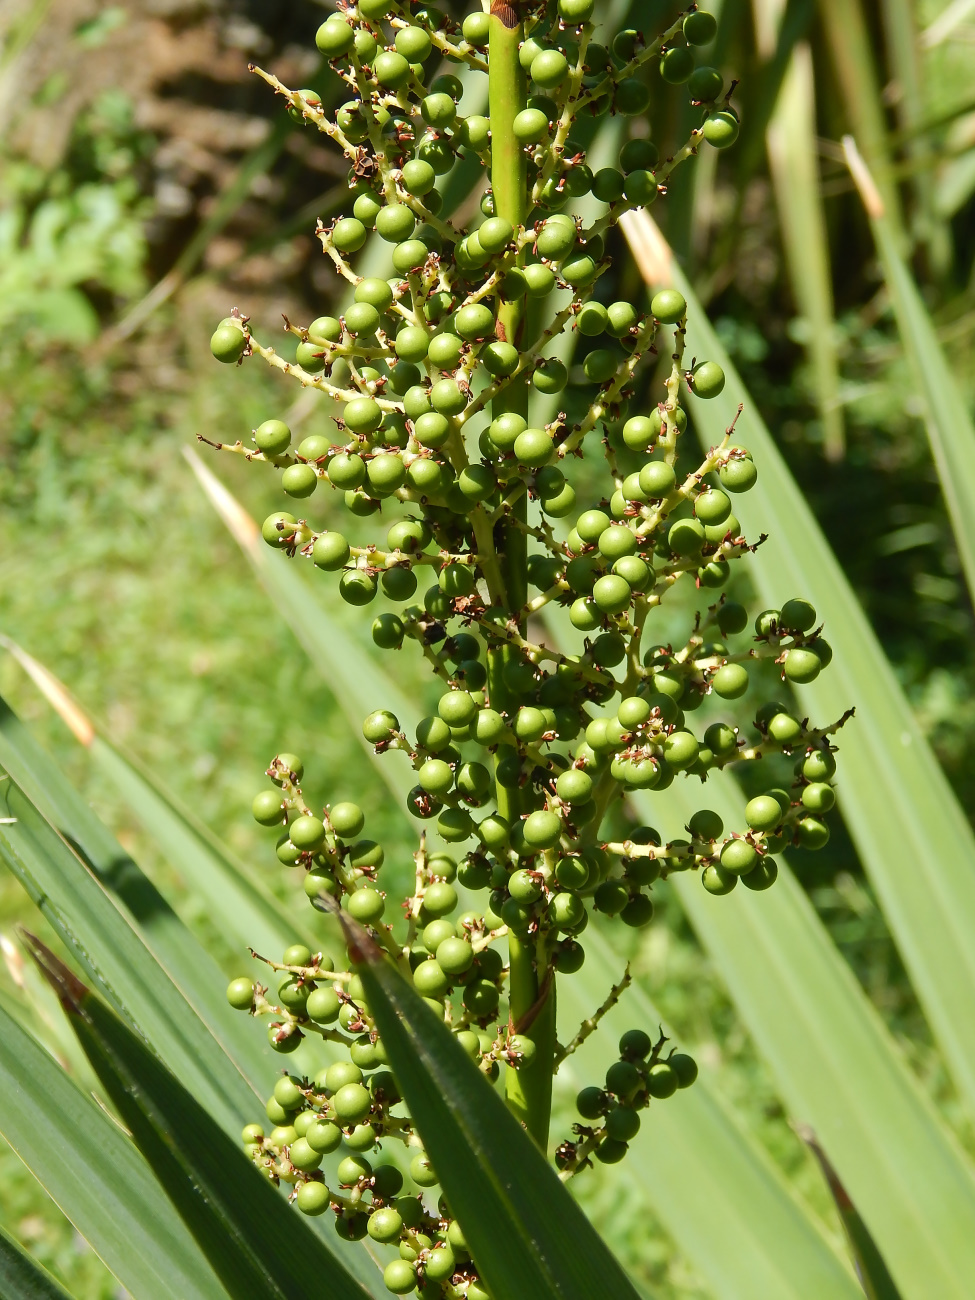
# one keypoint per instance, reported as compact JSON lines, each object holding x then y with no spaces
{"x":528,"y":1091}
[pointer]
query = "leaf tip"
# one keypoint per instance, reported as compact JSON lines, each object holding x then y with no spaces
{"x":69,"y":988}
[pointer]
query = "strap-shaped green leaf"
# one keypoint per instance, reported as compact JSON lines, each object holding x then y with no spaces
{"x":692,"y":1151}
{"x":833,"y":1061}
{"x":116,"y":960}
{"x":951,"y":433}
{"x":187,"y":962}
{"x":910,"y":831}
{"x":22,"y":1278}
{"x":527,"y":1235}
{"x":871,"y":1268}
{"x":96,"y":1176}
{"x":257,"y":1246}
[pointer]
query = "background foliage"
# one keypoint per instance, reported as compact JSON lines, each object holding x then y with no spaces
{"x":139,"y":159}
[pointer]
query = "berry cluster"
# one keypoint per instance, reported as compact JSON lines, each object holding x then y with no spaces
{"x":438,"y":370}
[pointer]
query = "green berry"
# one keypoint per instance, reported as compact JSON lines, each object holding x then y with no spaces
{"x":738,"y":856}
{"x":352,"y":1103}
{"x":718,"y":880}
{"x":705,"y":84}
{"x":707,"y":379}
{"x":268,"y":808}
{"x":677,"y":65}
{"x":322,"y":1005}
{"x":721,"y":129}
{"x":661,"y":1080}
{"x":313,"y":1197}
{"x":331,"y":551}
{"x":801,"y":666}
{"x":240,"y":993}
{"x":730,"y":681}
{"x":347,"y":820}
{"x":657,"y":479}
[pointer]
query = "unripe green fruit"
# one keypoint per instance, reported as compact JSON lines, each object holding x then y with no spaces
{"x":495,"y":234}
{"x":712,"y":506}
{"x":686,"y":536}
{"x":268,"y":808}
{"x":273,"y":437}
{"x":335,"y":37}
{"x":721,"y":129}
{"x":304,"y":1156}
{"x":346,"y":472}
{"x":623,"y":1079}
{"x":366,"y":905}
{"x":661,"y":1080}
{"x":322,"y":1005}
{"x":352,"y":1169}
{"x":707,"y":379}
{"x":797,"y":615}
{"x":549,"y":69}
{"x":539,"y":280}
{"x":730,"y":681}
{"x":739,"y":856}
{"x":325,"y":329}
{"x":818,"y":797}
{"x":657,"y":479}
{"x":357,"y":587}
{"x":763,"y":812}
{"x":395,"y":223}
{"x":499,"y":359}
{"x":622,"y":1124}
{"x":347,"y":819}
{"x":578,"y":271}
{"x":240,"y":993}
{"x":475,"y":133}
{"x":454,"y":956}
{"x":366,"y":208}
{"x":623,"y":317}
{"x":677,"y":65}
{"x":440,"y":899}
{"x":313,"y":1198}
{"x":738,"y":474}
{"x":542,"y":830}
{"x":819,"y":765}
{"x":631,"y":96}
{"x":447,"y":397}
{"x":608,"y":185}
{"x":555,"y":239}
{"x":363,"y":414}
{"x":438,"y":110}
{"x":639,"y":155}
{"x":615,"y":541}
{"x":477,"y":28}
{"x":576,"y":11}
{"x":348,"y":235}
{"x":699,"y":28}
{"x":227,"y":343}
{"x":592,"y":319}
{"x":530,"y":126}
{"x":801,"y":666}
{"x":413,"y":43}
{"x":331,"y":551}
{"x":533,"y":447}
{"x":705,"y":84}
{"x":574,"y":786}
{"x":351,"y":1103}
{"x":763,"y":875}
{"x":422,"y":1172}
{"x":299,"y":481}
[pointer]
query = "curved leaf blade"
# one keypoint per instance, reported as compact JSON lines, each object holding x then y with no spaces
{"x":177,"y":950}
{"x":834,"y":1063}
{"x":690,"y":1152}
{"x":526,"y":1233}
{"x":258,"y":1248}
{"x":115,"y":958}
{"x":96,"y":1176}
{"x":910,"y":831}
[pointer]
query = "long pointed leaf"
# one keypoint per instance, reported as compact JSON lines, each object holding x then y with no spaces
{"x":258,"y":1248}
{"x":871,"y":1269}
{"x":793,"y":164}
{"x":691,"y":1152}
{"x":115,"y":959}
{"x":834,"y":1063}
{"x":96,"y":1176}
{"x":951,"y":432}
{"x":911,"y":834}
{"x":188,"y":964}
{"x":527,"y":1235}
{"x":22,"y":1278}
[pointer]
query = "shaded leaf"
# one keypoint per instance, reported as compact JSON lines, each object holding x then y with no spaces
{"x":526,"y":1233}
{"x":255,"y":1244}
{"x":94,"y":1173}
{"x":22,"y":1278}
